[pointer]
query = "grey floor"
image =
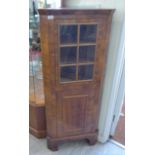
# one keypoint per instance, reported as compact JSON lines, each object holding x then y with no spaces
{"x":38,"y":147}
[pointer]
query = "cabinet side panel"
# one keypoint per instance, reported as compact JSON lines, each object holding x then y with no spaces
{"x":103,"y":41}
{"x":48,"y":72}
{"x":105,"y":27}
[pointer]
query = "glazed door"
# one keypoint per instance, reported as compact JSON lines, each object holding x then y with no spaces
{"x":78,"y":76}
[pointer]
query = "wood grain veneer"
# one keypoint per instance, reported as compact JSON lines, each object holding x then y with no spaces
{"x":72,"y":107}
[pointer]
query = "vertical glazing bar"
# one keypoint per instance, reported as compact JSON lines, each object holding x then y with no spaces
{"x":77,"y":59}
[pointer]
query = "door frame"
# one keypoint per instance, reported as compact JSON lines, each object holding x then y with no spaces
{"x":119,"y":104}
{"x":112,"y":93}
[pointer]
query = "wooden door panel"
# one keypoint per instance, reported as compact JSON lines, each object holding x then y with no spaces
{"x":77,"y":111}
{"x":77,"y":108}
{"x":91,"y":114}
{"x":73,"y":112}
{"x":71,"y":109}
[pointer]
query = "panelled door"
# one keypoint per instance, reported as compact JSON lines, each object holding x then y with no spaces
{"x":80,"y":61}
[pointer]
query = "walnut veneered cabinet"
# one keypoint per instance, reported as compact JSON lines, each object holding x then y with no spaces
{"x":74,"y":44}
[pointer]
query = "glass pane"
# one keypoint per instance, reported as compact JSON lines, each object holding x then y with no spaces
{"x":86,"y":53}
{"x":88,"y":33}
{"x":36,"y":78}
{"x":36,"y":87}
{"x":39,"y":87}
{"x":68,"y":34}
{"x":68,"y":55}
{"x":85,"y":72}
{"x":68,"y":73}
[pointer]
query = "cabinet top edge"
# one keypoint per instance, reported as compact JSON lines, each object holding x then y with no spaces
{"x":75,"y":11}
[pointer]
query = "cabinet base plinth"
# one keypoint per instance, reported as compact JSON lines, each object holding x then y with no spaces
{"x":37,"y":133}
{"x":37,"y":120}
{"x":92,"y":140}
{"x":53,"y":143}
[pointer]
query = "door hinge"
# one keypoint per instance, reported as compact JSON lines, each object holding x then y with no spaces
{"x":113,"y":118}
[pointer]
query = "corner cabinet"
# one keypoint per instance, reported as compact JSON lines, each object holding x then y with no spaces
{"x":74,"y":44}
